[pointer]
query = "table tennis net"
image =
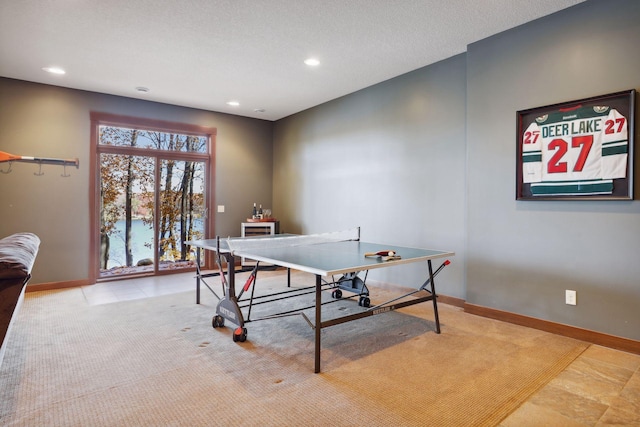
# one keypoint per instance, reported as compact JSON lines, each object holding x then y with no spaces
{"x":248,"y":244}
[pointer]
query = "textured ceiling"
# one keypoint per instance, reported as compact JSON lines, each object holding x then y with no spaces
{"x":203,"y":53}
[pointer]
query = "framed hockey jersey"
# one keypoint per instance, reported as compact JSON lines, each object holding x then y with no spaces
{"x":581,"y":150}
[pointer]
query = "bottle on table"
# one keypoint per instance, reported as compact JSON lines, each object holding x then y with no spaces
{"x":255,"y":211}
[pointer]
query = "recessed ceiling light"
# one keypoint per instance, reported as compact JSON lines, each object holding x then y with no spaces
{"x":233,"y":103}
{"x":312,"y":62}
{"x":54,"y":70}
{"x":142,"y":89}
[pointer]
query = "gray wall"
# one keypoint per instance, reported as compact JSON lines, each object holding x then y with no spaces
{"x":522,"y":256}
{"x":47,"y":121}
{"x":403,"y":161}
{"x":389,"y":159}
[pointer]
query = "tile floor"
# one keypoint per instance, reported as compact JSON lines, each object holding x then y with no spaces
{"x":144,"y":287}
{"x":600,"y":388}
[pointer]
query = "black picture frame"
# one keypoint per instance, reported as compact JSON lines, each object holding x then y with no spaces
{"x":549,"y":170}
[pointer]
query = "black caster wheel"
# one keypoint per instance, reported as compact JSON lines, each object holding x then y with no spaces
{"x":218,"y":321}
{"x":337,"y":294}
{"x":364,"y":302}
{"x":240,"y":335}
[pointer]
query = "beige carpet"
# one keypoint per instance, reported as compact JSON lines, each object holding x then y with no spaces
{"x":158,"y":362}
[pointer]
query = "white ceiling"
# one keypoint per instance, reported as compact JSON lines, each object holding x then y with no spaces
{"x":203,"y":53}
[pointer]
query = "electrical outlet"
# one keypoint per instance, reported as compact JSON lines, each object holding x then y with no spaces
{"x":570,"y":297}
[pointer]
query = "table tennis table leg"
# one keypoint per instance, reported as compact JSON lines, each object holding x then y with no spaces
{"x":433,"y":294}
{"x":318,"y":328}
{"x":197,"y":275}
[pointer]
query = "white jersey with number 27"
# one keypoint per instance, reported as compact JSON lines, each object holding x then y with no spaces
{"x":576,"y":151}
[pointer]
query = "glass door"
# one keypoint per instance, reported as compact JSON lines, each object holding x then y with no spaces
{"x":151,"y":198}
{"x":182,"y":212}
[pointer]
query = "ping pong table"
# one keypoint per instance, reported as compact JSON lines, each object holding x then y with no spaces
{"x":324,"y":255}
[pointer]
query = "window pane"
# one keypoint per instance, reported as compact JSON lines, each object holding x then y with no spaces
{"x":126,"y":214}
{"x":125,"y":137}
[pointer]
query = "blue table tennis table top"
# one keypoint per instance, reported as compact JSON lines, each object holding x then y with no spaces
{"x":327,"y":258}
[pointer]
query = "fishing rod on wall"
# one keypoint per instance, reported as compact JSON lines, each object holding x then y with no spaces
{"x":10,"y":158}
